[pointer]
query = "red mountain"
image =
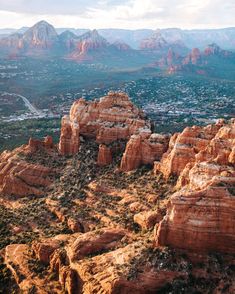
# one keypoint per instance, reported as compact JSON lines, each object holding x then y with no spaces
{"x":38,"y":39}
{"x":87,"y":43}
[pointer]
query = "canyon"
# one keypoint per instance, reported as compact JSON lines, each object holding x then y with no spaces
{"x":117,"y":208}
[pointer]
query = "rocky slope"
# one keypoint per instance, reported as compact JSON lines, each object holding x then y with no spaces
{"x":98,"y":229}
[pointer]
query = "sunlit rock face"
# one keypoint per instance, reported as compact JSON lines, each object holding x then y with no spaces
{"x":143,"y":148}
{"x":183,"y":148}
{"x":201,"y":215}
{"x":112,"y":119}
{"x":107,"y":120}
{"x":21,"y":178}
{"x":104,"y":155}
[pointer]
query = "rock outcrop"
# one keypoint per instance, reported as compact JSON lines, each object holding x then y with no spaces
{"x":21,"y":178}
{"x":99,"y":261}
{"x":155,"y":42}
{"x":143,"y":148}
{"x":183,"y":148}
{"x":19,"y":259}
{"x":88,"y":42}
{"x":110,"y":119}
{"x":193,"y":58}
{"x":104,"y":155}
{"x":35,"y":144}
{"x":201,"y":215}
{"x":69,"y":138}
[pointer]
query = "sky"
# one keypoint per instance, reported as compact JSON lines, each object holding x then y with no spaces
{"x":129,"y":14}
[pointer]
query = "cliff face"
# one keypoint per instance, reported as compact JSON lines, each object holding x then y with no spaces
{"x":183,"y":148}
{"x":88,"y":42}
{"x":143,"y":148}
{"x":38,"y":40}
{"x":21,"y":178}
{"x":201,"y":215}
{"x":112,"y":118}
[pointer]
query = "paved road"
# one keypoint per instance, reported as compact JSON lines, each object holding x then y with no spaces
{"x":32,"y":108}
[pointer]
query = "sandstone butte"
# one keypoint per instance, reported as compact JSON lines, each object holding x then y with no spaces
{"x":191,"y":208}
{"x":109,"y":121}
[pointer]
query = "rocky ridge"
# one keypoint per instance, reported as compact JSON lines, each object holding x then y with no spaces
{"x":42,"y":40}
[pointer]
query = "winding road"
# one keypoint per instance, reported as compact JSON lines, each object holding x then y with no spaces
{"x":32,"y":108}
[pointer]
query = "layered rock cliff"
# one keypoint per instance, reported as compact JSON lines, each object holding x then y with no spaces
{"x":143,"y":148}
{"x":201,"y":215}
{"x":110,"y":120}
{"x":21,"y":178}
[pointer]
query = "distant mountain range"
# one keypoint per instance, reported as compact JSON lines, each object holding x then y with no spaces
{"x":191,"y":38}
{"x":212,"y":61}
{"x":42,"y":40}
{"x":167,"y":50}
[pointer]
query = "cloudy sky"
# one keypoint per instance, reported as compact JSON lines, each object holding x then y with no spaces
{"x":119,"y":13}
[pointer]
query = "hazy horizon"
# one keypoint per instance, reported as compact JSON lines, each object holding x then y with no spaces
{"x":115,"y":28}
{"x":119,"y":14}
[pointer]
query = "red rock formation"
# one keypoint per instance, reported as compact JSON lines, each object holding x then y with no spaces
{"x":112,"y":118}
{"x":143,"y":148}
{"x":35,"y":144}
{"x":94,"y":262}
{"x":214,"y":49}
{"x":104,"y":155}
{"x":200,"y":221}
{"x":43,"y":250}
{"x":110,"y":272}
{"x":193,"y":58}
{"x":20,"y":178}
{"x":69,"y":280}
{"x":18,"y":259}
{"x":184,"y":147}
{"x":109,"y":120}
{"x":93,"y":242}
{"x":201,"y":215}
{"x":69,"y":138}
{"x":155,"y":42}
{"x":90,"y":41}
{"x":147,"y":219}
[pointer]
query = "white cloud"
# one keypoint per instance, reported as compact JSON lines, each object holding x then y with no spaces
{"x":119,"y":13}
